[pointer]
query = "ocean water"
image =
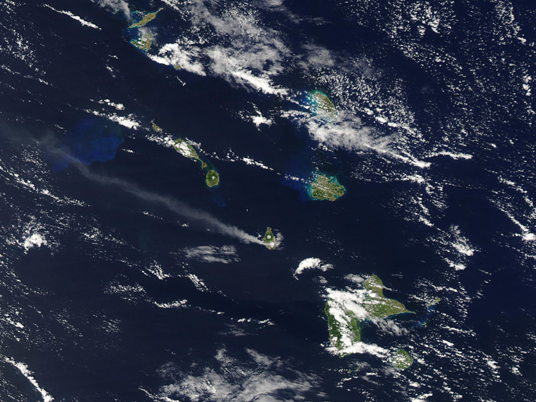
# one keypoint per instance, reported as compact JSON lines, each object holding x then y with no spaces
{"x":107,"y":294}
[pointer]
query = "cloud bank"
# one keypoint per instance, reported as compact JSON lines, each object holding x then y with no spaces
{"x":259,"y":378}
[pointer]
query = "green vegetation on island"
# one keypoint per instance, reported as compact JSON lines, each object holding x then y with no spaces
{"x":376,"y":304}
{"x":269,"y":239}
{"x":401,"y":360}
{"x":212,"y":178}
{"x":145,"y":20}
{"x":321,"y":104}
{"x":434,"y":302}
{"x":188,"y":151}
{"x":351,"y":324}
{"x":325,"y":188}
{"x":156,"y":128}
{"x":143,"y":43}
{"x":346,"y":311}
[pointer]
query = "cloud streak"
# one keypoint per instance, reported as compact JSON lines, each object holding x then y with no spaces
{"x":210,"y":254}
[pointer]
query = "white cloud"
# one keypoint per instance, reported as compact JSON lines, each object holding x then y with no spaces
{"x":318,"y":56}
{"x":34,"y":240}
{"x":74,"y":17}
{"x":311,"y":263}
{"x":229,"y":42}
{"x":210,"y":254}
{"x":347,"y":132}
{"x":23,"y":368}
{"x":116,"y":5}
{"x":454,"y":247}
{"x":187,"y":58}
{"x":260,"y":378}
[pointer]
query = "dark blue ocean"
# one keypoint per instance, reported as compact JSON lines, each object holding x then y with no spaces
{"x":89,"y":303}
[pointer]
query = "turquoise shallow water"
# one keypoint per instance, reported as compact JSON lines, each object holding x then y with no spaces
{"x":93,"y":139}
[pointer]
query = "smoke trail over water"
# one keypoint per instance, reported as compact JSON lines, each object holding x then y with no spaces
{"x":172,"y":204}
{"x":55,"y":150}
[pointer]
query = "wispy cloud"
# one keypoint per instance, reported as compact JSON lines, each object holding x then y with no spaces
{"x":347,"y":132}
{"x":116,"y":5}
{"x":211,"y":254}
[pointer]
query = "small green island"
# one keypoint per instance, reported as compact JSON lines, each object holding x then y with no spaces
{"x":401,"y":360}
{"x":345,"y":326}
{"x":156,"y":128}
{"x":325,"y":188}
{"x":212,"y":178}
{"x":434,"y":302}
{"x":188,"y":151}
{"x":269,"y":239}
{"x":321,"y":104}
{"x":145,"y":20}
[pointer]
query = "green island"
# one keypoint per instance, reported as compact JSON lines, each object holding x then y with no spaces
{"x":156,"y":128}
{"x":269,"y":239}
{"x":145,"y":20}
{"x":325,"y":188}
{"x":321,"y":103}
{"x":434,"y":302}
{"x":188,"y":151}
{"x":376,"y":304}
{"x":351,"y":325}
{"x":345,"y":327}
{"x":212,"y":178}
{"x":401,"y":360}
{"x":143,"y":43}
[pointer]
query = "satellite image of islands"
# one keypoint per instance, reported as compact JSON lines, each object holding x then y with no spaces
{"x":267,"y":200}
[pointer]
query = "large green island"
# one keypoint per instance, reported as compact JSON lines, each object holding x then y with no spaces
{"x":145,"y":20}
{"x":347,"y":311}
{"x":321,"y":104}
{"x":325,"y":187}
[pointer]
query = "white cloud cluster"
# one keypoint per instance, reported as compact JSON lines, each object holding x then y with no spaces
{"x":311,"y":263}
{"x":454,"y":247}
{"x":230,"y":42}
{"x":116,"y":5}
{"x":34,"y":240}
{"x":347,"y":305}
{"x":347,"y":132}
{"x":210,"y":254}
{"x":260,"y":378}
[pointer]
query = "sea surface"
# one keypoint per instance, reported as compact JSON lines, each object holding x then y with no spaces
{"x":117,"y":281}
